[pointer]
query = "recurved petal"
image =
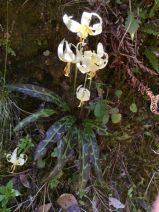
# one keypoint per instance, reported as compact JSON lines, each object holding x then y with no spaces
{"x":100,"y":50}
{"x":8,"y":157}
{"x":22,"y":159}
{"x":69,"y":56}
{"x":72,"y":25}
{"x":82,"y":68}
{"x":86,"y":18}
{"x":97,"y":29}
{"x":13,"y":156}
{"x":60,"y":50}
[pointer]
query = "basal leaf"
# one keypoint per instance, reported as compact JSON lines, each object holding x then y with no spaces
{"x":34,"y":117}
{"x":132,"y":25}
{"x":53,"y":135}
{"x":84,"y":158}
{"x":94,"y":154}
{"x":40,"y":93}
{"x":60,"y":150}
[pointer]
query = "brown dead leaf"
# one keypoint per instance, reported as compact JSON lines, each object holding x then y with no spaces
{"x":67,"y":200}
{"x":24,"y":180}
{"x":44,"y":208}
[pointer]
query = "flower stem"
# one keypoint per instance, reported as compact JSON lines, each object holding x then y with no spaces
{"x":75,"y":81}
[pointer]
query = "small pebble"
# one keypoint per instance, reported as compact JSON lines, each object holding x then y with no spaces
{"x":46,"y":53}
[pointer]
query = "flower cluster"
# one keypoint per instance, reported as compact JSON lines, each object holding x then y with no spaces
{"x":87,"y":62}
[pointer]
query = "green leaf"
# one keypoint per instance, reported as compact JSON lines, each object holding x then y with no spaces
{"x":105,"y":119}
{"x":118,"y":93}
{"x":40,"y":93}
{"x":133,"y":108}
{"x":53,"y":135}
{"x":131,"y":24}
{"x":154,"y":9}
{"x":34,"y":117}
{"x":100,"y":109}
{"x":154,"y":61}
{"x":150,"y":29}
{"x":116,"y":118}
{"x":94,"y":155}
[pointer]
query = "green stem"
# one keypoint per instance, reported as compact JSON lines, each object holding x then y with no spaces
{"x":75,"y":81}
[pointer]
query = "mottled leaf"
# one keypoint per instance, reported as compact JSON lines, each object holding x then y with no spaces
{"x":53,"y":135}
{"x":94,"y":154}
{"x":40,"y":93}
{"x":84,"y":158}
{"x":34,"y":117}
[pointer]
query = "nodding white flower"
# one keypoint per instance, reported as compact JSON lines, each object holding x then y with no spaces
{"x":84,"y":28}
{"x":15,"y":160}
{"x":67,"y":55}
{"x":83,"y":94}
{"x":90,"y":61}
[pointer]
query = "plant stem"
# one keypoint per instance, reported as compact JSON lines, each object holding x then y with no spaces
{"x":75,"y":81}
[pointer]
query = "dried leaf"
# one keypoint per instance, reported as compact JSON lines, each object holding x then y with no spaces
{"x":115,"y":203}
{"x":24,"y":180}
{"x":68,"y":202}
{"x":44,"y":208}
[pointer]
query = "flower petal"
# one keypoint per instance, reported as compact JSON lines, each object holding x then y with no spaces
{"x":69,"y":56}
{"x":100,"y":50}
{"x":22,"y":159}
{"x":83,"y":94}
{"x":86,"y":18}
{"x":82,"y":68}
{"x":60,"y":50}
{"x":65,"y":53}
{"x":72,"y":25}
{"x":13,"y":156}
{"x":97,"y":28}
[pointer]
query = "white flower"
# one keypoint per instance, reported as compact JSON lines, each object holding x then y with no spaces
{"x":15,"y":160}
{"x":83,"y":94}
{"x":90,"y":61}
{"x":84,"y":28}
{"x":67,"y":55}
